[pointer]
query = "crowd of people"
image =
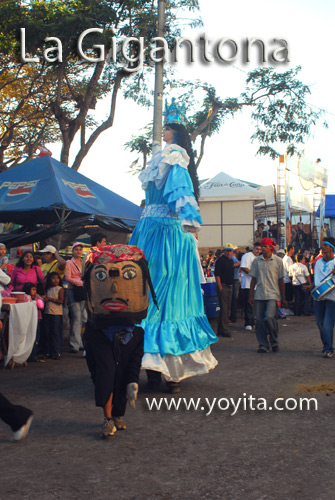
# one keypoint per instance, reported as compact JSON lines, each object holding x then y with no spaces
{"x":266,"y":284}
{"x":57,"y":287}
{"x":301,"y":237}
{"x":254,"y":283}
{"x":174,"y":339}
{"x":178,"y":336}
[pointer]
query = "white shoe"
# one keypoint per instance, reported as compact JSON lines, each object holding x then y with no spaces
{"x":23,"y":431}
{"x":248,"y":328}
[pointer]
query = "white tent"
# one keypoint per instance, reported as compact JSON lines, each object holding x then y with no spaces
{"x":224,"y":187}
{"x":269,"y":197}
{"x":227,"y":210}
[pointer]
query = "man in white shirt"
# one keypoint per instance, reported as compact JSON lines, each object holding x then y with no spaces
{"x":325,"y":308}
{"x":288,"y":262}
{"x":301,"y":282}
{"x":246,"y":261}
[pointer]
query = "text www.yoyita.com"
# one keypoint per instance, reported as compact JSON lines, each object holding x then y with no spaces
{"x":231,"y":405}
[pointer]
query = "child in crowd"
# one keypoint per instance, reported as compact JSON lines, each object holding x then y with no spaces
{"x":31,"y":289}
{"x":38,"y":260}
{"x":3,"y":257}
{"x":53,"y":314}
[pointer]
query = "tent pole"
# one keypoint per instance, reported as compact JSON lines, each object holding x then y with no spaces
{"x":221,"y":224}
{"x":61,"y":219}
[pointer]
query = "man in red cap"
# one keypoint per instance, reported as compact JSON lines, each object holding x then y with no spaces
{"x":267,"y":272}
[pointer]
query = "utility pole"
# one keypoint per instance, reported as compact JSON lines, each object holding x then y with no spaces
{"x":158,"y":95}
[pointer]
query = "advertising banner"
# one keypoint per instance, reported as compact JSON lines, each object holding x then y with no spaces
{"x":322,"y":214}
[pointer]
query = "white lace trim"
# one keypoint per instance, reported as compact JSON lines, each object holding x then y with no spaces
{"x":191,"y":223}
{"x":181,"y":202}
{"x":176,"y":368}
{"x":159,"y":166}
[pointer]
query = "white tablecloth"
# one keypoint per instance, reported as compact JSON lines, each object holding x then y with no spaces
{"x":22,"y":331}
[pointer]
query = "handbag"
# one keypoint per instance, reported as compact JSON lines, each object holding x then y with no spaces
{"x":78,"y":293}
{"x":78,"y":290}
{"x":39,"y":285}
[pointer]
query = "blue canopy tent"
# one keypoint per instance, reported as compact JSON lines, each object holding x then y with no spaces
{"x":329,"y":207}
{"x":45,"y":191}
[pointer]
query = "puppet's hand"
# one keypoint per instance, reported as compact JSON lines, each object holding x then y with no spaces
{"x":132,"y":390}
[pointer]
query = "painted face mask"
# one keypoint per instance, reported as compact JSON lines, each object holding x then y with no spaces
{"x":117,"y":282}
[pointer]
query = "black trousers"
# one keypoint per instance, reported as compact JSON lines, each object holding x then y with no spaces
{"x":113,"y":366}
{"x":289,"y":292}
{"x":13,"y":415}
{"x":225,"y":297}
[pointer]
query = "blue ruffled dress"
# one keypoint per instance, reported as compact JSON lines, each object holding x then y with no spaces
{"x":177,"y":336}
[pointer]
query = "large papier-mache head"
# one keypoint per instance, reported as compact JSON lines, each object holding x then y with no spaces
{"x":117,"y":282}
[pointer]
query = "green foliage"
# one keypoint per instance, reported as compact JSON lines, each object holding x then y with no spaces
{"x":141,"y":144}
{"x":280,"y":111}
{"x":25,"y":119}
{"x":71,"y":88}
{"x":40,"y":102}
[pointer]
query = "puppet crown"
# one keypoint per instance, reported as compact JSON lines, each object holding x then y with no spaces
{"x":174,"y":113}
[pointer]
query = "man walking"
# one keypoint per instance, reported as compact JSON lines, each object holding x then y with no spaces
{"x":325,"y":308}
{"x":224,"y":276}
{"x":247,"y":260}
{"x":267,"y":272}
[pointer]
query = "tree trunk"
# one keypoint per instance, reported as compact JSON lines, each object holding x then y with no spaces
{"x":202,"y":149}
{"x":206,"y":123}
{"x":104,"y":126}
{"x":2,"y":163}
{"x":65,"y":151}
{"x":69,"y":128}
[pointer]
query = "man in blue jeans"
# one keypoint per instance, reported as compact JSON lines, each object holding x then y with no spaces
{"x":267,"y":272}
{"x":325,"y":308}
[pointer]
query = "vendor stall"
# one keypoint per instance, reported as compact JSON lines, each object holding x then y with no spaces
{"x":19,"y":331}
{"x":227,"y":211}
{"x":45,"y":191}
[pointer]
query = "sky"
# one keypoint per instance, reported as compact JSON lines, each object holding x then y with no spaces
{"x":306,"y":25}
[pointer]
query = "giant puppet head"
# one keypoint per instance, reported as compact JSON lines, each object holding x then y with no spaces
{"x":117,"y":282}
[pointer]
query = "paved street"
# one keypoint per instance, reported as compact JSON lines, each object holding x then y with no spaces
{"x":184,"y":454}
